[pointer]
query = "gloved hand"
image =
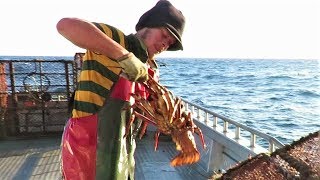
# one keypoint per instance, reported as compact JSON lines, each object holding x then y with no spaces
{"x":134,"y":68}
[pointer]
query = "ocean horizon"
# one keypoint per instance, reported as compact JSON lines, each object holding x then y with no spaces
{"x":58,"y":57}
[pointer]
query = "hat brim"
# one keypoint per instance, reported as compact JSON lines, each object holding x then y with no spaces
{"x":178,"y":44}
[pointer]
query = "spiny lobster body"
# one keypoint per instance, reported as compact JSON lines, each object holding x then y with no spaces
{"x":168,"y":114}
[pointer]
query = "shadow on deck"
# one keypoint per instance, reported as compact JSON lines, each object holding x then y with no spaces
{"x":36,"y":158}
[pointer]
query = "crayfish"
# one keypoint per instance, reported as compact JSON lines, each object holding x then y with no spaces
{"x":167,"y":113}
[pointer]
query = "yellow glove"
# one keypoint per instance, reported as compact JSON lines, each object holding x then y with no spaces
{"x":134,"y":68}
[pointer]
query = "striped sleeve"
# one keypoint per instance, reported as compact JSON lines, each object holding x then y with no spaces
{"x":97,"y":76}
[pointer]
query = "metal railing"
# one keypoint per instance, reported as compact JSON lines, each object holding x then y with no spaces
{"x":203,"y":115}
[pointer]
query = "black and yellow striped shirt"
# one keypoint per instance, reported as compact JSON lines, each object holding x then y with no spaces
{"x":99,"y":73}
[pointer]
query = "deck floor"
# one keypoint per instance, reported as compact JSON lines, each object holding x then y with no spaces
{"x":38,"y":158}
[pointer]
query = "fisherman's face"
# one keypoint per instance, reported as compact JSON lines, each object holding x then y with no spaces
{"x":157,"y":40}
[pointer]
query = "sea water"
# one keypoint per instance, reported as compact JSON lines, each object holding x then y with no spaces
{"x":278,"y":97}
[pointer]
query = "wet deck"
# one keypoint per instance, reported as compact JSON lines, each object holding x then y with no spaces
{"x":38,"y":158}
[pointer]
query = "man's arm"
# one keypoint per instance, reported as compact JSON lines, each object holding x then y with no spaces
{"x":86,"y":35}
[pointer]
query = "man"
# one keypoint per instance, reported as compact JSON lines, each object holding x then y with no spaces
{"x":93,"y":146}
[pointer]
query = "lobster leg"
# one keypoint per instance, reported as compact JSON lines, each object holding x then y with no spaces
{"x":129,"y":125}
{"x":142,"y":104}
{"x":174,"y":109}
{"x":143,"y":129}
{"x":199,"y":132}
{"x":145,"y":118}
{"x":132,"y":118}
{"x":156,"y":139}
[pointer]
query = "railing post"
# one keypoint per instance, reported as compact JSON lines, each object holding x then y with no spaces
{"x":215,"y":121}
{"x":3,"y":99}
{"x":206,"y":120}
{"x":225,"y":126}
{"x":271,"y":146}
{"x":198,"y":114}
{"x":14,"y":98}
{"x":252,"y":140}
{"x":237,"y":133}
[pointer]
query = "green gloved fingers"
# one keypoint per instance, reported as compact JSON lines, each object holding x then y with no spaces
{"x":134,"y":68}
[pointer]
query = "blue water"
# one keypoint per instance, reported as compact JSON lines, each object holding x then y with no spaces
{"x":277,"y":97}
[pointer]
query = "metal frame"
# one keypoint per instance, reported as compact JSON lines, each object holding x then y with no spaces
{"x":40,"y":107}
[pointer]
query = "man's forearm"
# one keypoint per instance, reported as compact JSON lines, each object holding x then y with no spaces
{"x":85,"y":35}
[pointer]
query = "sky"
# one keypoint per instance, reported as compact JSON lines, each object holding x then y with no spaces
{"x":263,"y":29}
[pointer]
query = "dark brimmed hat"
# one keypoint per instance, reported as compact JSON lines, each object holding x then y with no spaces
{"x":164,"y":14}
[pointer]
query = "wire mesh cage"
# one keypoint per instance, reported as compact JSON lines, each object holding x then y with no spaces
{"x":34,"y":95}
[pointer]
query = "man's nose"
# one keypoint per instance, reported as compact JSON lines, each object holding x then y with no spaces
{"x":165,"y":45}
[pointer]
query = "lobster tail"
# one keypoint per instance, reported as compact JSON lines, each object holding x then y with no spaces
{"x":185,"y":143}
{"x":185,"y":158}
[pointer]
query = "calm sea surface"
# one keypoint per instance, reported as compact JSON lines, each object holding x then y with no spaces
{"x":277,"y":97}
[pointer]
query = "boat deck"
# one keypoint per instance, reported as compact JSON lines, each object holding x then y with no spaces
{"x":38,"y":158}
